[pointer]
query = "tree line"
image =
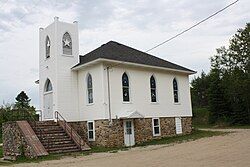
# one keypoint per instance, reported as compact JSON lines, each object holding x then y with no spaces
{"x":225,"y":90}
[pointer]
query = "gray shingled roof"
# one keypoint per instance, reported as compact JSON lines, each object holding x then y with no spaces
{"x":116,"y":51}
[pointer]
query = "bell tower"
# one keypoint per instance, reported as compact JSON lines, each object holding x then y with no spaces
{"x":58,"y":53}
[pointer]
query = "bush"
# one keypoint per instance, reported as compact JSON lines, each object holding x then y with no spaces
{"x":200,"y":116}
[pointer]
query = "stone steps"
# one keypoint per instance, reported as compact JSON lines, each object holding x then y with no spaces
{"x":54,"y":138}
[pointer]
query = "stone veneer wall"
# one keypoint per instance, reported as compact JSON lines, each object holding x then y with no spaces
{"x":105,"y":134}
{"x":113,"y":135}
{"x":14,"y":143}
{"x":186,"y":125}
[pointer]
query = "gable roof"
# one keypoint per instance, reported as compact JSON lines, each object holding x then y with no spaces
{"x":119,"y":52}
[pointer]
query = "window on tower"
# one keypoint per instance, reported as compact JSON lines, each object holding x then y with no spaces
{"x":67,"y":44}
{"x":47,"y":46}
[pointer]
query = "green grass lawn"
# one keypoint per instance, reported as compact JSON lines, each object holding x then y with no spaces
{"x":196,"y":134}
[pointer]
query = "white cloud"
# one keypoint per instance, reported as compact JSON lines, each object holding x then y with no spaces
{"x":140,"y":24}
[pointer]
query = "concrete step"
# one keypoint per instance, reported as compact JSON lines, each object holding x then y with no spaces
{"x":64,"y":151}
{"x":45,"y":135}
{"x":53,"y":131}
{"x":60,"y":149}
{"x":61,"y":139}
{"x":58,"y":143}
{"x":53,"y":145}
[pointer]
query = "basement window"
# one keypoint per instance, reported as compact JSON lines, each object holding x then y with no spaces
{"x":91,"y":130}
{"x":156,"y":127}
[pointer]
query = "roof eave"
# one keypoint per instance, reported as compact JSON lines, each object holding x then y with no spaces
{"x":130,"y":63}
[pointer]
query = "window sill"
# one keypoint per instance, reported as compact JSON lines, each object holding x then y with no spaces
{"x":67,"y":55}
{"x":126,"y":102}
{"x":47,"y":58}
{"x":89,"y":104}
{"x":156,"y":135}
{"x":154,"y":103}
{"x":45,"y":93}
{"x":177,"y":103}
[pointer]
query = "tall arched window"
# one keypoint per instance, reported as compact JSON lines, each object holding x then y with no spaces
{"x":175,"y":88}
{"x":153,"y":88}
{"x":47,"y":46}
{"x":48,"y":86}
{"x":67,"y":44}
{"x":90,"y":89}
{"x":125,"y":87}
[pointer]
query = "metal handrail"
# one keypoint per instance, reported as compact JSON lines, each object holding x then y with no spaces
{"x":73,"y":134}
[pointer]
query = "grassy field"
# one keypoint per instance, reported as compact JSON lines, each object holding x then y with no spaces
{"x":196,"y":134}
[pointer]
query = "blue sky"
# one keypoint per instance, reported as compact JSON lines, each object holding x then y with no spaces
{"x":140,"y":24}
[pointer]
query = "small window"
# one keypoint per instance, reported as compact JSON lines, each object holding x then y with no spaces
{"x":67,"y":44}
{"x":90,"y":89}
{"x":48,"y":86}
{"x":47,"y":46}
{"x":156,"y":127}
{"x":153,"y":89}
{"x":175,"y":88}
{"x":125,"y":87}
{"x":91,"y":130}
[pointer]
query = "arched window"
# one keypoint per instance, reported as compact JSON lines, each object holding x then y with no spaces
{"x":125,"y":87}
{"x":48,"y":86}
{"x":90,"y":89}
{"x":47,"y":46}
{"x":175,"y":88}
{"x":153,"y":88}
{"x":67,"y":44}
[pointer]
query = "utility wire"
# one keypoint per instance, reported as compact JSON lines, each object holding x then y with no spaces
{"x":184,"y":31}
{"x":219,"y":11}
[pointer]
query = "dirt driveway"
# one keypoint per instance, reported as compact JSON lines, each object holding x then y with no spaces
{"x":229,"y":150}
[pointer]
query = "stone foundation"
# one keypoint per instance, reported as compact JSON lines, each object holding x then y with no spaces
{"x":113,"y":135}
{"x":186,"y":125}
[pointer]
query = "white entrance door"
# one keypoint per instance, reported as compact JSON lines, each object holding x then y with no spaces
{"x":129,"y":137}
{"x":48,"y":106}
{"x":178,"y":125}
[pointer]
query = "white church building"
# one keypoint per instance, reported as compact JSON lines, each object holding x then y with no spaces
{"x":114,"y":95}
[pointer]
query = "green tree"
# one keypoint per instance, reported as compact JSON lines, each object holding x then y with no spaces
{"x":22,"y":101}
{"x":232,"y":65}
{"x":217,"y":102}
{"x":199,"y":90}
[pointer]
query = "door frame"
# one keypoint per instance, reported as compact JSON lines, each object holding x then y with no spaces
{"x":52,"y":106}
{"x":132,"y":130}
{"x":178,"y":125}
